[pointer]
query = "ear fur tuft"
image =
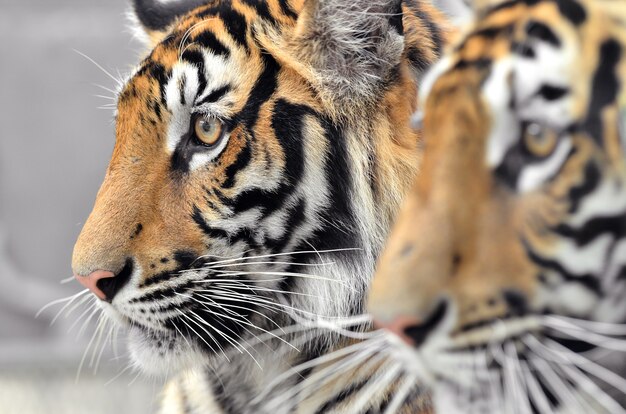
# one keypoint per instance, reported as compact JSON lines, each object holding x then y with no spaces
{"x":349,"y":47}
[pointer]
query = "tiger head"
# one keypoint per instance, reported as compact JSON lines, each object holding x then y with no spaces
{"x":254,"y":138}
{"x":505,"y":273}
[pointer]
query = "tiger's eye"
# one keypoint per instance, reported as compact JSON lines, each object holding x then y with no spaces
{"x":208,"y":131}
{"x":539,"y":140}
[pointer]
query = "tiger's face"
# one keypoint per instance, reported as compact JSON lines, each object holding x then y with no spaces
{"x":249,"y":135}
{"x":505,"y":273}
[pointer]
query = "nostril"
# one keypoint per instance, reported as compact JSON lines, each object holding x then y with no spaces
{"x":419,"y":333}
{"x":112,"y":285}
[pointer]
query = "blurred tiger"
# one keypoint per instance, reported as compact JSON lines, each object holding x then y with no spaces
{"x":504,"y":278}
{"x":262,"y":150}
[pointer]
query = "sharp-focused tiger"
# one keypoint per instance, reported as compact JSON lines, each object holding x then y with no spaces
{"x":262,"y":150}
{"x":505,"y":274}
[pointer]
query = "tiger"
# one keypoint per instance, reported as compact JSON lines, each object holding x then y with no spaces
{"x":263,"y":148}
{"x":502,"y":287}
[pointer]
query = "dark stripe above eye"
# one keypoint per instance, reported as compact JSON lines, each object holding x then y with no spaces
{"x":196,"y":58}
{"x":216,"y":95}
{"x":572,"y":10}
{"x":540,"y":31}
{"x":552,"y":93}
{"x":209,"y":41}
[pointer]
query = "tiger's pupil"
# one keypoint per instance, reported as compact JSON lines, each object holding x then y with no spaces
{"x":539,"y":140}
{"x":208,"y":131}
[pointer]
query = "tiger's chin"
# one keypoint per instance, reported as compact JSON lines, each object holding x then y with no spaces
{"x":160,"y":354}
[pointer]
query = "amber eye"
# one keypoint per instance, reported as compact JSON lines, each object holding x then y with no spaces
{"x":208,"y":131}
{"x":539,"y":140}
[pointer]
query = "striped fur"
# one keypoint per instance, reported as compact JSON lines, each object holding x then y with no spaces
{"x":218,"y":247}
{"x":506,"y":269}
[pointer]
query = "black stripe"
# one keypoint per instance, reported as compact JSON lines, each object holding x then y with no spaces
{"x":523,"y":49}
{"x":261,"y":9}
{"x":288,"y":123}
{"x":267,"y":200}
{"x":196,"y":58}
{"x":551,"y":92}
{"x":594,"y":228}
{"x":588,"y":280}
{"x":604,"y":88}
{"x":215,"y":95}
{"x":540,"y":31}
{"x":486,"y":33}
{"x":592,"y":178}
{"x":342,"y":396}
{"x":263,"y":89}
{"x":572,"y":10}
{"x":209,"y":41}
{"x":158,"y":72}
{"x":433,"y":29}
{"x":243,"y":159}
{"x":295,"y":217}
{"x":181,"y":89}
{"x":206,"y":229}
{"x":478,"y":64}
{"x":236,"y":26}
{"x":340,"y":230}
{"x":286,"y":9}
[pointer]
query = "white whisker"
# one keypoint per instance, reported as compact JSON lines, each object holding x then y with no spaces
{"x":119,"y":82}
{"x":55,"y":302}
{"x":400,"y":396}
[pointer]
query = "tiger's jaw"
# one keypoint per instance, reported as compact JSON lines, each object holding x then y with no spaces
{"x":159,"y":353}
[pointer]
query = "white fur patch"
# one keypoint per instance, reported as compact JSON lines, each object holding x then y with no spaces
{"x":505,"y":125}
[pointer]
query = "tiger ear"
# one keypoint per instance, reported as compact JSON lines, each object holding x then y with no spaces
{"x":152,"y":19}
{"x":347,"y":49}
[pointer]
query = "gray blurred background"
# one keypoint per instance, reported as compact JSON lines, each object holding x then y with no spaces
{"x":54,"y":147}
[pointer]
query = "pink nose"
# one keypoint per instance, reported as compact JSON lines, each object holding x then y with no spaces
{"x":90,"y":281}
{"x":399,"y":327}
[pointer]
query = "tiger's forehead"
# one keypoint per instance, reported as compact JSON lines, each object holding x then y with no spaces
{"x":517,"y":34}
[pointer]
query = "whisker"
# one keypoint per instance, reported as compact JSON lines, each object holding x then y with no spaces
{"x":264,"y":256}
{"x":182,"y":319}
{"x":106,"y":72}
{"x":82,"y":315}
{"x":538,"y":396}
{"x":370,"y":392}
{"x":552,"y":381}
{"x":55,"y":302}
{"x":567,"y":356}
{"x":119,"y":374}
{"x":86,"y":322}
{"x":587,"y":325}
{"x":592,"y":389}
{"x":67,"y":280}
{"x":340,"y":353}
{"x":82,"y":360}
{"x":587,"y":336}
{"x":400,"y":397}
{"x":289,"y":274}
